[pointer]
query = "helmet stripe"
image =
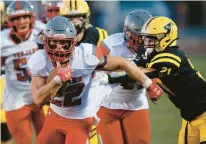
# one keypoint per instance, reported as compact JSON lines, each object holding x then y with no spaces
{"x":18,"y":5}
{"x":70,"y":5}
{"x":75,"y":4}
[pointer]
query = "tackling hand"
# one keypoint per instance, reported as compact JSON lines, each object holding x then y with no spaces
{"x":154,"y":91}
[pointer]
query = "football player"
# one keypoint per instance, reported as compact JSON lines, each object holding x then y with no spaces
{"x":72,"y":107}
{"x":51,"y":9}
{"x":78,"y":12}
{"x":16,"y":47}
{"x":5,"y":134}
{"x":183,"y":83}
{"x":124,"y":116}
{"x":185,"y":86}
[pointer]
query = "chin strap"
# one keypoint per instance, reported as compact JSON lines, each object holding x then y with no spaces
{"x":173,"y":41}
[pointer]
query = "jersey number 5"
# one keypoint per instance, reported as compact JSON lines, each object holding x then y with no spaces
{"x":19,"y":66}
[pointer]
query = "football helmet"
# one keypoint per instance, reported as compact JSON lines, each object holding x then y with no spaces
{"x":18,"y":9}
{"x":59,"y":39}
{"x":76,"y":8}
{"x":159,"y":33}
{"x":51,"y":9}
{"x":2,"y":9}
{"x":132,"y":28}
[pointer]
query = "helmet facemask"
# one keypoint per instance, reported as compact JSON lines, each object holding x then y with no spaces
{"x":132,"y":29}
{"x":20,"y":17}
{"x":134,"y":42}
{"x":59,"y":39}
{"x":19,"y":28}
{"x":153,"y":42}
{"x":59,"y":49}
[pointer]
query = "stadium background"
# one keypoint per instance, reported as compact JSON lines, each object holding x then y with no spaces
{"x":191,"y":20}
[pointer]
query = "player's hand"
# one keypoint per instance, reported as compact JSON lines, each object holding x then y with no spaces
{"x":63,"y":74}
{"x":154,"y":91}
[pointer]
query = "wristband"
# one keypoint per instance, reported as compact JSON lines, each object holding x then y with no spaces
{"x":57,"y":79}
{"x":147,"y":83}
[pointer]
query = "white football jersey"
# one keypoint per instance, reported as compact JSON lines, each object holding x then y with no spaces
{"x":82,"y":63}
{"x":122,"y":97}
{"x":17,"y":87}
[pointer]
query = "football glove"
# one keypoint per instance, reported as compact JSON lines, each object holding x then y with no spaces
{"x":154,"y":91}
{"x":63,"y":74}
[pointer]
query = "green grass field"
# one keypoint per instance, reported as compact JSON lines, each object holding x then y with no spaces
{"x":165,"y":117}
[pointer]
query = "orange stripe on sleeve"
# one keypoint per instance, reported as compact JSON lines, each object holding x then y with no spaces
{"x":103,"y":49}
{"x":99,"y":52}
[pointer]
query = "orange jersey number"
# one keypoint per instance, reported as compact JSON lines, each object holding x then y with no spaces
{"x":18,"y":66}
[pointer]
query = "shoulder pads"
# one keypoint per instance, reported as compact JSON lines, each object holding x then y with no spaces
{"x":37,"y":64}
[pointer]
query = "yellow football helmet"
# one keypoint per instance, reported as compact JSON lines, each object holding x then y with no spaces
{"x":162,"y":30}
{"x":71,"y":8}
{"x":3,"y":12}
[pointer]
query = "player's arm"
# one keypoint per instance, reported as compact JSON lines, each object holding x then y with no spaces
{"x":42,"y":86}
{"x":110,"y":63}
{"x":161,"y":65}
{"x":40,"y":90}
{"x":44,"y":90}
{"x":116,"y":63}
{"x":120,"y":78}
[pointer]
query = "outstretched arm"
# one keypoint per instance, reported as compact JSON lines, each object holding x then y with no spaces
{"x":115,"y":63}
{"x":45,"y":89}
{"x":109,"y":63}
{"x":115,"y":77}
{"x":41,"y":90}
